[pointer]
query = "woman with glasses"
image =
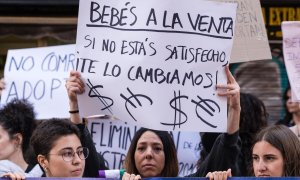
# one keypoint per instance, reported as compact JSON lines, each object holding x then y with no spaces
{"x":58,"y":148}
{"x":64,"y":149}
{"x":96,"y":162}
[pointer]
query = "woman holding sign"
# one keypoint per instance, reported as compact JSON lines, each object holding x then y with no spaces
{"x":149,"y":154}
{"x":276,"y":153}
{"x":252,"y":119}
{"x":134,"y":163}
{"x":95,"y":162}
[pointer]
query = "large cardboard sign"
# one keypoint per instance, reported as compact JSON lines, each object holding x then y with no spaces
{"x":112,"y":140}
{"x":156,"y":63}
{"x":250,"y":37}
{"x":291,"y":53}
{"x":39,"y":75}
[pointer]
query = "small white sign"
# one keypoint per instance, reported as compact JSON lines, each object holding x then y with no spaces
{"x":291,"y":53}
{"x":39,"y":75}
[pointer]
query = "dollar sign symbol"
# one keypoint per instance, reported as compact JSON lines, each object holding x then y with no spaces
{"x":178,"y":112}
{"x":93,"y":93}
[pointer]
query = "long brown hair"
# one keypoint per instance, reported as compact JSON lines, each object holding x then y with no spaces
{"x":171,"y":162}
{"x":283,"y":139}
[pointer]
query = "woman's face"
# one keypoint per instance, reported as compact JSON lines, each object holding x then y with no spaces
{"x":7,"y":145}
{"x":267,"y":160}
{"x":56,"y":166}
{"x":292,"y":107}
{"x":149,"y":155}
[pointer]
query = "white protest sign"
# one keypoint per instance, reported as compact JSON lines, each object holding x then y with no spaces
{"x":39,"y":75}
{"x":250,"y":37}
{"x":112,"y":140}
{"x":291,"y":54}
{"x":156,"y":63}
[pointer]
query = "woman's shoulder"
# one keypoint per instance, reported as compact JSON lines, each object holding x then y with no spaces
{"x":34,"y":170}
{"x":8,"y":166}
{"x":286,"y":121}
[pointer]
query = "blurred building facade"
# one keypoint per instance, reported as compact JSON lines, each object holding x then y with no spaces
{"x":36,"y":23}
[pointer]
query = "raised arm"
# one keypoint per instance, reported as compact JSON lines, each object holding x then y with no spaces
{"x":74,"y":86}
{"x":94,"y":162}
{"x":234,"y":107}
{"x":225,"y":151}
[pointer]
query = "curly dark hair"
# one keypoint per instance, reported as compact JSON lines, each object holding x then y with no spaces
{"x":18,"y":116}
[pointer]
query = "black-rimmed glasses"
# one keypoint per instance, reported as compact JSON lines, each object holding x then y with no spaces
{"x":69,"y":154}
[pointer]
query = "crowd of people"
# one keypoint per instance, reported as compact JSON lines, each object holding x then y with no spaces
{"x":64,"y":147}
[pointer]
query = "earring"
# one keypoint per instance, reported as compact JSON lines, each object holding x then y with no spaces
{"x":45,"y":169}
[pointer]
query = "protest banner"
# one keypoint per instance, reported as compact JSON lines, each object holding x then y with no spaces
{"x":38,"y":74}
{"x":291,"y":54}
{"x":155,"y":64}
{"x":113,"y":138}
{"x":250,"y":36}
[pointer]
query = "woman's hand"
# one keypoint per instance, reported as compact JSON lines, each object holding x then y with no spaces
{"x":219,"y":175}
{"x":14,"y":176}
{"x":127,"y":176}
{"x":2,"y":85}
{"x":74,"y":86}
{"x":232,"y":91}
